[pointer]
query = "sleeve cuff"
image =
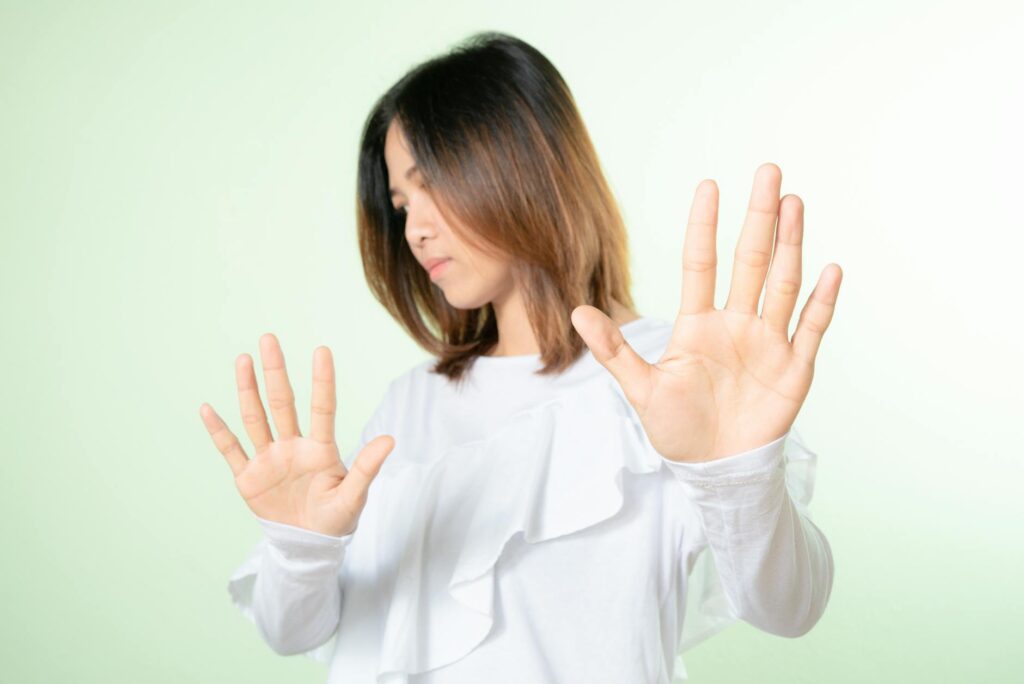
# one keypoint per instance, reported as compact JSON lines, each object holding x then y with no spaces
{"x":297,"y":542}
{"x":739,"y":467}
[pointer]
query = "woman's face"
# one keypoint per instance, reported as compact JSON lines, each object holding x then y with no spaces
{"x":471,"y":278}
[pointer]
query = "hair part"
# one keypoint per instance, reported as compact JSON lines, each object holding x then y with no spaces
{"x":495,"y":131}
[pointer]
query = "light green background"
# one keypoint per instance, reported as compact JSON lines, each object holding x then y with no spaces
{"x":178,"y":178}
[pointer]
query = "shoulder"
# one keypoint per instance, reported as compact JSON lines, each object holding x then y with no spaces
{"x":418,"y":375}
{"x":401,"y":395}
{"x":413,"y":384}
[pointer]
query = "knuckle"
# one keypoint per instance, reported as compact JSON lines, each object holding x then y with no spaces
{"x":699,"y":260}
{"x":815,"y":328}
{"x":231,"y":447}
{"x":279,"y":401}
{"x":753,"y":257}
{"x":787,"y":287}
{"x":767,"y":213}
{"x":250,"y":418}
{"x":322,"y":408}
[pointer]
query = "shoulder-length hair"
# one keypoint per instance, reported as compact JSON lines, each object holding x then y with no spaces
{"x":495,"y":132}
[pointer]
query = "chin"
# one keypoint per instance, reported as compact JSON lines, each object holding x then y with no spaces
{"x":459,"y":298}
{"x":465,"y":302}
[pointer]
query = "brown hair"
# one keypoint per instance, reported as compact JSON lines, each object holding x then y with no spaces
{"x":495,"y":132}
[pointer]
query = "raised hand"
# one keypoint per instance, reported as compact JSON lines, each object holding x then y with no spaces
{"x":293,"y":479}
{"x":730,"y":380}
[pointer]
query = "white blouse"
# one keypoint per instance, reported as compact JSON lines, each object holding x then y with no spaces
{"x":523,"y":529}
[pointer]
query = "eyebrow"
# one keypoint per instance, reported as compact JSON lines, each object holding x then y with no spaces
{"x":395,"y":191}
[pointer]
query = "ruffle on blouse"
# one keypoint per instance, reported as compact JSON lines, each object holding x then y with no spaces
{"x":549,"y":471}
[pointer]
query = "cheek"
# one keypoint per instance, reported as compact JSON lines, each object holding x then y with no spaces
{"x":472,"y":285}
{"x":487,"y":273}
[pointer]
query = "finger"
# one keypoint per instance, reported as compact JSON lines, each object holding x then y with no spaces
{"x":364,"y":469}
{"x":254,"y":417}
{"x":611,"y":350}
{"x":700,"y":259}
{"x":324,"y":403}
{"x":817,"y":314}
{"x":279,"y":391}
{"x":754,"y":248}
{"x":785,"y":273}
{"x":225,"y":440}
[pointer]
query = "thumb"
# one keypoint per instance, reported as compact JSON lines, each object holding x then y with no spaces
{"x":609,"y":347}
{"x":365,"y":468}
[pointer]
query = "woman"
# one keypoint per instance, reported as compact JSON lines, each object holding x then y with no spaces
{"x":555,"y":471}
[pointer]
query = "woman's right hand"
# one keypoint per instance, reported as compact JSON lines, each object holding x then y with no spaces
{"x":292,"y":479}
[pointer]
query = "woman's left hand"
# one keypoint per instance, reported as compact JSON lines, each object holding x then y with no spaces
{"x":730,"y":380}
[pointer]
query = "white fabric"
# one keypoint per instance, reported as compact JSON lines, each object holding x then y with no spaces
{"x":524,"y":529}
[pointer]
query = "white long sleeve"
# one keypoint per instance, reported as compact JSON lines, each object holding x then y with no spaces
{"x":297,"y":592}
{"x":775,"y":564}
{"x":291,"y":583}
{"x":492,"y":543}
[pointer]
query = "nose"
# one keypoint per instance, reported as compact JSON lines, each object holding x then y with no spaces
{"x":420,"y":223}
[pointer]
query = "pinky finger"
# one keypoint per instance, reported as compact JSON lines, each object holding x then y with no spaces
{"x":225,"y":440}
{"x":817,"y":314}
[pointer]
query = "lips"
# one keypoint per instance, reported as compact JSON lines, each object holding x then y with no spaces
{"x":431,"y":263}
{"x":438,"y":267}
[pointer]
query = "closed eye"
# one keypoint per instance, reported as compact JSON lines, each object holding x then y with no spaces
{"x":403,"y":210}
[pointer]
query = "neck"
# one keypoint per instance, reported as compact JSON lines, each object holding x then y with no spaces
{"x":515,"y":334}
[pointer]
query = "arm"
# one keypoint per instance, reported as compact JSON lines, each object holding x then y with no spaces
{"x":291,"y":582}
{"x":775,"y":565}
{"x":729,"y":379}
{"x":297,"y":593}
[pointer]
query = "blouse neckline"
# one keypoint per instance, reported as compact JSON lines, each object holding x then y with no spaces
{"x":534,"y":360}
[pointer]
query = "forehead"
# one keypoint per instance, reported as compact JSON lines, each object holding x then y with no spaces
{"x":398,"y":159}
{"x":396,"y":150}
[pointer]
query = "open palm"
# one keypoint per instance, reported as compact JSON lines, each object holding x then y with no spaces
{"x":293,"y":479}
{"x":730,"y":380}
